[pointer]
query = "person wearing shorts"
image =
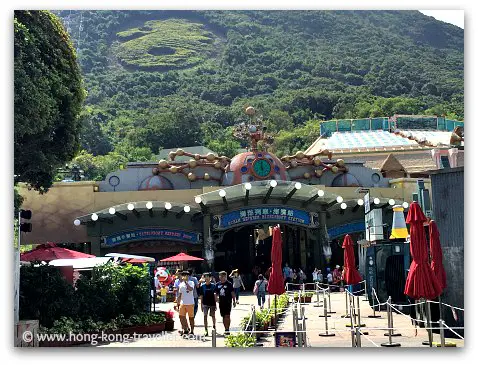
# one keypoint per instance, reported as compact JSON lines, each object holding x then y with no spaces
{"x":227,"y":299}
{"x":208,"y":300}
{"x":185,"y":301}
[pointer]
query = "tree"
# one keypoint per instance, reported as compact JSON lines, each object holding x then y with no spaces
{"x":48,"y":96}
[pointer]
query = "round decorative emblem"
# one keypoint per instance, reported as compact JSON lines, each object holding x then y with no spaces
{"x":375,"y":178}
{"x":114,"y":181}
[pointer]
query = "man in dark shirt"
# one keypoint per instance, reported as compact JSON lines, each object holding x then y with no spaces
{"x":227,"y":298}
{"x":208,"y":300}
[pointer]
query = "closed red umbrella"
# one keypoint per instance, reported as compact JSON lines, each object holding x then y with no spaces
{"x":50,"y":251}
{"x":436,"y":254}
{"x":421,"y":281}
{"x":276,"y":279}
{"x":182,"y":257}
{"x":351,"y":274}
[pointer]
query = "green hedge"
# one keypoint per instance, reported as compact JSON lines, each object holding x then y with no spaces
{"x":109,"y":292}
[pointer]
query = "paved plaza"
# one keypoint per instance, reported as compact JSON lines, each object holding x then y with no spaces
{"x":411,"y":336}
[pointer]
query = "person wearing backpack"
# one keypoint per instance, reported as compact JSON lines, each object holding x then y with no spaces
{"x":208,"y":300}
{"x":260,"y":289}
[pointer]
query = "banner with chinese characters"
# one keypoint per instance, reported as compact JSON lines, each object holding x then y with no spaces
{"x":148,"y":234}
{"x":270,"y":214}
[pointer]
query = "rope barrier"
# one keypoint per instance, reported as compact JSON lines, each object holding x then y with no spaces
{"x":450,"y":328}
{"x":367,"y":337}
{"x":448,"y":305}
{"x":409,"y":317}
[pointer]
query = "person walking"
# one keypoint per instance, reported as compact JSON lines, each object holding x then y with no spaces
{"x":320,"y":277}
{"x":330,"y":278}
{"x":226,"y":298}
{"x":185,"y":302}
{"x":260,"y":289}
{"x":237,"y":283}
{"x":301,"y":276}
{"x":287,"y":271}
{"x":314,"y":275}
{"x":208,"y":301}
{"x":195,"y":292}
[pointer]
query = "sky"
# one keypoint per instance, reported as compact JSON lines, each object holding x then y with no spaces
{"x":456,"y":17}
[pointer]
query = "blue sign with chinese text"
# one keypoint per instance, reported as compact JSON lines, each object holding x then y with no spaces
{"x":148,"y":234}
{"x":265,"y":214}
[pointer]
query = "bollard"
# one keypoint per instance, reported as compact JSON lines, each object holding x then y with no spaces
{"x":325,"y":315}
{"x":213,"y":337}
{"x":389,"y":312}
{"x":373,"y":308}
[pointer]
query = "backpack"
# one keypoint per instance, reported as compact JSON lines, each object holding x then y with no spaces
{"x":256,"y":287}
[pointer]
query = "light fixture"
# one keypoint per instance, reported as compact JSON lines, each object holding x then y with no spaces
{"x":321,"y":193}
{"x":273,"y":183}
{"x":167,"y":205}
{"x":298,"y":185}
{"x":405,"y":205}
{"x":112,"y":210}
{"x":187,"y":208}
{"x":376,"y":201}
{"x":198,"y":200}
{"x":130,"y":206}
{"x":360,"y":202}
{"x":343,"y":206}
{"x":248,"y":186}
{"x":94,"y":217}
{"x":149,"y":205}
{"x":339,"y":199}
{"x":76,"y":222}
{"x":222,"y":193}
{"x":391,"y":202}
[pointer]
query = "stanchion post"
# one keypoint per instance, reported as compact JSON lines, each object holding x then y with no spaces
{"x":325,"y":315}
{"x":373,"y":308}
{"x":429,"y":325}
{"x":442,"y":334}
{"x":389,"y":311}
{"x":330,"y":304}
{"x":358,"y":339}
{"x":365,"y":291}
{"x":213,"y":341}
{"x":359,"y":319}
{"x":254,"y":320}
{"x":391,"y":320}
{"x":346,"y":315}
{"x":352,"y":318}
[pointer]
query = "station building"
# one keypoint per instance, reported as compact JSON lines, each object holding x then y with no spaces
{"x":193,"y":200}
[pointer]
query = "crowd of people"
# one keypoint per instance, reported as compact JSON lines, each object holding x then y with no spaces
{"x":220,"y":290}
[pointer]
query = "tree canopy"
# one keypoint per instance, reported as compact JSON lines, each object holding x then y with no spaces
{"x":48,"y":98}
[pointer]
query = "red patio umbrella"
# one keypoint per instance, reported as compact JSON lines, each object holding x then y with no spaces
{"x":351,"y":274}
{"x":182,"y":257}
{"x":436,"y":254}
{"x":276,"y":279}
{"x":50,"y":251}
{"x":421,"y":281}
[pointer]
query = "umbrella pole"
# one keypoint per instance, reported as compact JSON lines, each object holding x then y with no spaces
{"x":429,"y":329}
{"x":275,"y":312}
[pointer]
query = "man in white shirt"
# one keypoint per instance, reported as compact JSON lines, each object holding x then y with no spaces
{"x":185,"y":301}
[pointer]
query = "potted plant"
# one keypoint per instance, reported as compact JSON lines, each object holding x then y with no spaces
{"x":169,"y":324}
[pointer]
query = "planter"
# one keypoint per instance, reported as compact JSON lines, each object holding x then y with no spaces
{"x":169,"y":325}
{"x":151,"y":328}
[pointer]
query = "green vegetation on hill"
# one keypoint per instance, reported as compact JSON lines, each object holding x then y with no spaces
{"x":164,"y":44}
{"x":296,"y":67}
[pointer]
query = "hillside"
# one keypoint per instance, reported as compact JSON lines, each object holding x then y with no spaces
{"x":162,"y":79}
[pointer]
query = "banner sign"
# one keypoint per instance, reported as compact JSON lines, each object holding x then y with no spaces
{"x":271,"y":214}
{"x":352,"y":227}
{"x":148,"y":234}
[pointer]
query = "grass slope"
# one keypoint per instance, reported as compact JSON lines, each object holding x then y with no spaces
{"x":164,"y":44}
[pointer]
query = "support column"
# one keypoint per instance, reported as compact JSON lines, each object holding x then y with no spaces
{"x":316,"y":248}
{"x":291,"y":243}
{"x":322,"y":238}
{"x":96,"y":246}
{"x":303,"y":248}
{"x":208,"y":246}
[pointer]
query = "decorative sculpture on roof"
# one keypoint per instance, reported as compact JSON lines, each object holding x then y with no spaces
{"x":457,"y":137}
